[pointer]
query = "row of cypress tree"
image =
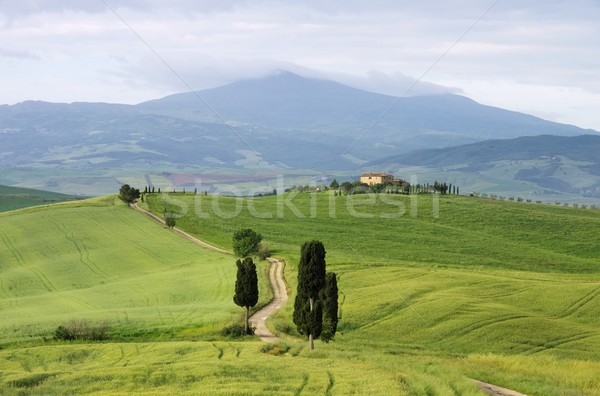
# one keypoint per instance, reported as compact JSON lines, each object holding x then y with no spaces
{"x":316,"y":302}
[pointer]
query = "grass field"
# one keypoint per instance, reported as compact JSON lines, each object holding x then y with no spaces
{"x":12,"y":198}
{"x":453,"y":289}
{"x":97,"y":260}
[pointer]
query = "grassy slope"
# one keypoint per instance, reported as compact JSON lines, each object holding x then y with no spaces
{"x":502,"y":292}
{"x":484,"y":277}
{"x":12,"y":198}
{"x":98,"y":260}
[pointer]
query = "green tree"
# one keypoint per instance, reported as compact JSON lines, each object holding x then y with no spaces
{"x":246,"y":287}
{"x":334,"y":184}
{"x":329,"y":296}
{"x":308,"y":315}
{"x":246,"y":242}
{"x":128,"y":194}
{"x":170,"y":219}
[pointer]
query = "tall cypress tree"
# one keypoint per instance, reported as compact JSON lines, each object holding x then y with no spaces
{"x":246,"y":286}
{"x":329,"y":296}
{"x":311,"y":279}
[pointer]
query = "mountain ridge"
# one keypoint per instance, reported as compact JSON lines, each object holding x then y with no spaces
{"x":280,"y":122}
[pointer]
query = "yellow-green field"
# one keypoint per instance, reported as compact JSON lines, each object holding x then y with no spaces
{"x":452,"y":290}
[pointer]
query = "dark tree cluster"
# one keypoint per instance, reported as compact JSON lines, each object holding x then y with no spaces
{"x":129,"y":194}
{"x":435,"y":188}
{"x":316,"y":303}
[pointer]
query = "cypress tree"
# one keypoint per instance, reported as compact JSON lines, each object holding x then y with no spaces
{"x":329,"y":296}
{"x":311,"y":280}
{"x":246,"y":287}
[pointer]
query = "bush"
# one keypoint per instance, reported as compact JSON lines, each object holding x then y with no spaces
{"x":236,"y":330}
{"x":82,"y":330}
{"x":245,"y":242}
{"x":170,"y":219}
{"x":264,"y":251}
{"x":276,"y":349}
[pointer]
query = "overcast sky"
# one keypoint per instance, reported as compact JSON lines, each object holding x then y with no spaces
{"x":538,"y":57}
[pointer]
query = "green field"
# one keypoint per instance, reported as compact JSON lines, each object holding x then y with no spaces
{"x":433,"y":292}
{"x":12,"y":198}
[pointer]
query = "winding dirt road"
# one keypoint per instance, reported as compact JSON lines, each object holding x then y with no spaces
{"x":280,"y":295}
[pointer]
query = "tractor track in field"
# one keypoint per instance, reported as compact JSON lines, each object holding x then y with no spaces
{"x":39,"y":274}
{"x":580,"y":303}
{"x":280,"y":295}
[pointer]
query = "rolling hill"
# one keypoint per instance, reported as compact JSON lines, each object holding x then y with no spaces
{"x":432,"y":293}
{"x":538,"y":166}
{"x":12,"y":198}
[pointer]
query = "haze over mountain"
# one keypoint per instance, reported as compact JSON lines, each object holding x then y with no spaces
{"x":283,"y":120}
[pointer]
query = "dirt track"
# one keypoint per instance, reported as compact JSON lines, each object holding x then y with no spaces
{"x":494,"y":390}
{"x":280,"y":295}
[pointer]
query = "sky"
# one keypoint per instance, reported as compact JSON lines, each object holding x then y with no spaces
{"x":537,"y":57}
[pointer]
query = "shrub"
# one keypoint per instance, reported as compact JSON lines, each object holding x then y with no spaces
{"x":236,"y":330}
{"x":519,"y":199}
{"x":82,"y":330}
{"x":170,"y":219}
{"x":264,"y":251}
{"x":277,"y":349}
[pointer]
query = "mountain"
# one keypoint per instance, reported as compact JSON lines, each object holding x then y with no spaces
{"x":280,"y":122}
{"x":543,"y":164}
{"x":363,"y":123}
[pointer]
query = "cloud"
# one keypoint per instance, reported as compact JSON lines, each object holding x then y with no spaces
{"x":380,"y":45}
{"x":9,"y":53}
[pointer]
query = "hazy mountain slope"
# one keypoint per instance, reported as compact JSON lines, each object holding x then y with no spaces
{"x":280,"y":121}
{"x":547,"y":163}
{"x":288,"y":102}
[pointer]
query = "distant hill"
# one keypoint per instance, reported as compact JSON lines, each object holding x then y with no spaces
{"x":547,"y":164}
{"x":281,"y":121}
{"x":12,"y":198}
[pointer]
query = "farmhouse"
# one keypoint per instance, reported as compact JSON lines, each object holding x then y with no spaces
{"x":371,"y":178}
